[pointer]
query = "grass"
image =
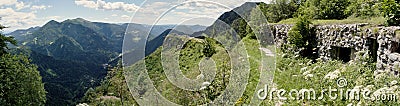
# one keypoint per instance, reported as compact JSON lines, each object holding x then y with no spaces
{"x":373,"y":21}
{"x":189,"y":58}
{"x":397,"y":33}
{"x":291,"y":72}
{"x":299,"y":73}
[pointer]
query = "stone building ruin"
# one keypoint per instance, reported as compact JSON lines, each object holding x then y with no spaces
{"x":343,"y":41}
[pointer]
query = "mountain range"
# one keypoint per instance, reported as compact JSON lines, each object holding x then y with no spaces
{"x":72,"y":55}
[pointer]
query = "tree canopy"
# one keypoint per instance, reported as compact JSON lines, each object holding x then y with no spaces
{"x":21,"y":83}
{"x":4,"y":40}
{"x":280,"y":10}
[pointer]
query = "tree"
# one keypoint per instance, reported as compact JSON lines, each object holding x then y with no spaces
{"x":114,"y":85}
{"x":119,"y":82}
{"x":21,"y":83}
{"x":4,"y":41}
{"x":302,"y":38}
{"x":280,"y":9}
{"x":308,"y":9}
{"x":90,"y":96}
{"x":333,"y":9}
{"x":240,"y":26}
{"x":363,"y":8}
{"x":391,"y":10}
{"x":324,"y":9}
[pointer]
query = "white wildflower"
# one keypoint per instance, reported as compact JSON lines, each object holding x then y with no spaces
{"x":394,"y":82}
{"x":82,"y":104}
{"x":332,"y":75}
{"x":205,"y":85}
{"x":307,"y":72}
{"x":303,"y":69}
{"x":308,"y":76}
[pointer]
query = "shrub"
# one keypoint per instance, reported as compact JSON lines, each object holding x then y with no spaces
{"x":279,"y":10}
{"x":300,"y":73}
{"x":363,"y":8}
{"x":391,"y":10}
{"x":301,"y":37}
{"x":21,"y":83}
{"x":324,"y":9}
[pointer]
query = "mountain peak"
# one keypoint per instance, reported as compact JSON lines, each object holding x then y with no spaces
{"x":77,"y":20}
{"x":52,"y":23}
{"x":80,"y":19}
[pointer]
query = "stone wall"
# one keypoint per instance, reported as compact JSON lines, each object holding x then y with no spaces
{"x":388,"y":61}
{"x":359,"y":37}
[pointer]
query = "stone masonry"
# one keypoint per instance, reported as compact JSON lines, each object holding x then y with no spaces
{"x":381,"y":42}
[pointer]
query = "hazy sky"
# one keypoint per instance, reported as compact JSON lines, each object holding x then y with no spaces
{"x":23,"y":14}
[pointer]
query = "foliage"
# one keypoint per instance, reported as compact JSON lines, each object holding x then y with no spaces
{"x":255,"y":58}
{"x":308,"y":9}
{"x":302,"y":38}
{"x":242,"y":28}
{"x":391,"y":10}
{"x":300,"y":73}
{"x":70,"y":54}
{"x":324,"y":9}
{"x":21,"y":82}
{"x":4,"y":40}
{"x":397,"y":34}
{"x":198,"y":51}
{"x":191,"y":54}
{"x":279,"y":10}
{"x":363,"y":8}
{"x":112,"y":91}
{"x":370,"y":20}
{"x":256,"y":20}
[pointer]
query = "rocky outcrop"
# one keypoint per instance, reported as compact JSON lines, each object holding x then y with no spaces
{"x":381,"y":42}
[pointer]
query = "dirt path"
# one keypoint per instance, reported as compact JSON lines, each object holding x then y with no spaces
{"x":267,"y":52}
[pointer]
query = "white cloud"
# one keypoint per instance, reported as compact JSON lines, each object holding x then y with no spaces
{"x":155,"y":8}
{"x":227,"y":3}
{"x":85,"y":3}
{"x":114,"y":15}
{"x":125,"y":17}
{"x":16,"y":20}
{"x":18,"y":5}
{"x":102,"y":5}
{"x":7,"y":2}
{"x":40,"y":7}
{"x":191,"y":10}
{"x":54,"y":17}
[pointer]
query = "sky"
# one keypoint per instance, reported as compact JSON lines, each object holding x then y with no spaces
{"x":23,"y":14}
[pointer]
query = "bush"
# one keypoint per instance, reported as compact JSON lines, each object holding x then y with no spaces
{"x":279,"y":10}
{"x":324,"y":9}
{"x":21,"y":82}
{"x":363,"y":8}
{"x":308,"y":9}
{"x":391,"y":10}
{"x":300,"y":73}
{"x":301,"y":37}
{"x":241,"y":27}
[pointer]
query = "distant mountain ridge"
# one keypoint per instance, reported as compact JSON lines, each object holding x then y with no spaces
{"x":203,"y":44}
{"x":71,"y":54}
